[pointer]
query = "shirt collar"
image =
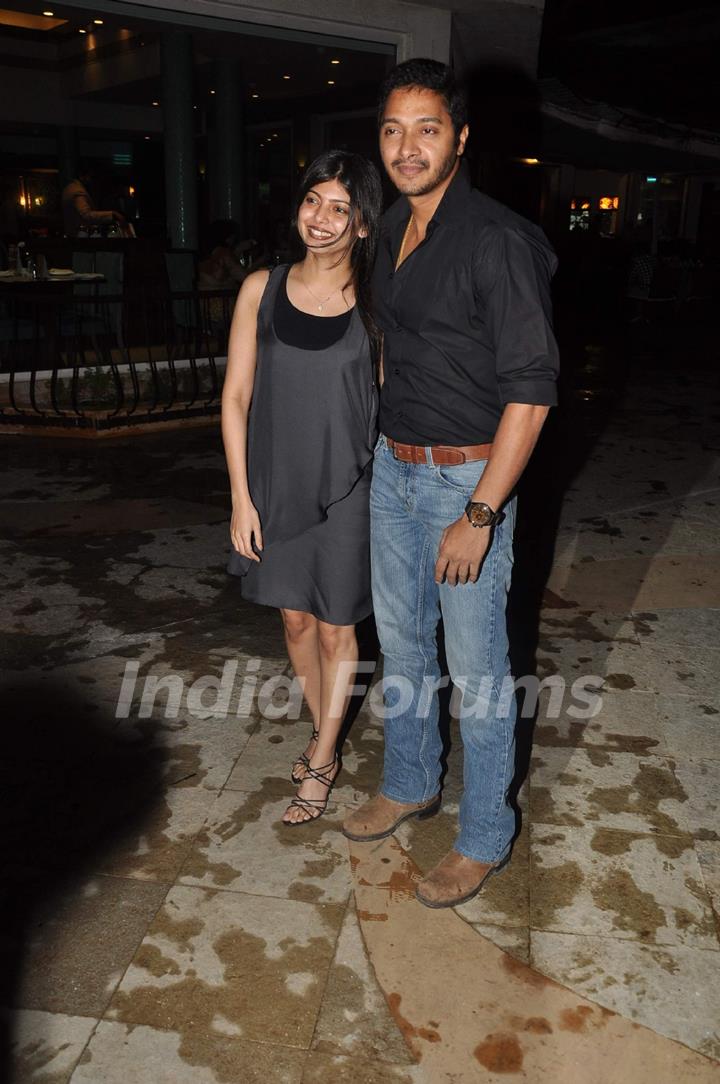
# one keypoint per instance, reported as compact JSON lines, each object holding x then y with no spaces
{"x":451,"y":209}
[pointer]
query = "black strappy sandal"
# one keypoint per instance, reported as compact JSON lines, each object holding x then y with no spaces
{"x":315,"y":807}
{"x":304,"y":760}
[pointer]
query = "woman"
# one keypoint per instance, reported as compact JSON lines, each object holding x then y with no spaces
{"x":301,"y":349}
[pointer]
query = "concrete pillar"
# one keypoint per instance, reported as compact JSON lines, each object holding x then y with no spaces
{"x":180,"y":165}
{"x":227,"y":152}
{"x":67,"y":154}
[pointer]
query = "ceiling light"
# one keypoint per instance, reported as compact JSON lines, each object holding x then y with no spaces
{"x":147,"y":137}
{"x":331,"y":82}
{"x":286,"y":76}
{"x":334,"y":61}
{"x":254,"y":95}
{"x":212,"y":91}
{"x":98,"y":22}
{"x":82,"y":30}
{"x":156,"y":103}
{"x":26,"y":21}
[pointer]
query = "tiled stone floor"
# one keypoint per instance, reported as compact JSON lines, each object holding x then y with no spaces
{"x":161,"y":926}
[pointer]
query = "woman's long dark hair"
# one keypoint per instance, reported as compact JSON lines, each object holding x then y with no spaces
{"x":361,"y":181}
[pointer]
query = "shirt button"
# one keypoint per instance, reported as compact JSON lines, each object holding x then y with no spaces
{"x":391,"y":275}
{"x":397,"y":372}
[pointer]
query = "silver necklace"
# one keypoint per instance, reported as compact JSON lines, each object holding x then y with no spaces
{"x":321,"y":301}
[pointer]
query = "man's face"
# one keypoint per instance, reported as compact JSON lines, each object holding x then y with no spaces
{"x":418,"y":144}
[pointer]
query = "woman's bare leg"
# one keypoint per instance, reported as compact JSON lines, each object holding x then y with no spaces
{"x":303,"y":647}
{"x":337,"y":646}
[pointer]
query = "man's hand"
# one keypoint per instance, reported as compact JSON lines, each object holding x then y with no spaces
{"x":461,"y":553}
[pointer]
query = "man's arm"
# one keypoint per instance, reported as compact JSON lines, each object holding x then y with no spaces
{"x":89,"y":215}
{"x":512,"y":278}
{"x":463,"y":547}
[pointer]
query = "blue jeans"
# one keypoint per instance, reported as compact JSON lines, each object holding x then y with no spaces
{"x":410,"y":506}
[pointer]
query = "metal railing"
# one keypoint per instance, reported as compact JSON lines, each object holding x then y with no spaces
{"x":84,"y":361}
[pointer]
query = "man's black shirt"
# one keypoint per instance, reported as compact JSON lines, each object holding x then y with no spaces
{"x":466,"y":319}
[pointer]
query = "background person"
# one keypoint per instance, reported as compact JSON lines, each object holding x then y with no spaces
{"x":220,"y":269}
{"x":300,"y":460}
{"x":78,"y":206}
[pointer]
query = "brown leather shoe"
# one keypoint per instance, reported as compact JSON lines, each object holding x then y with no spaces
{"x":456,"y":880}
{"x":380,"y":817}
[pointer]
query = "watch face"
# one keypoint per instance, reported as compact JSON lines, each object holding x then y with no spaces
{"x":480,"y":515}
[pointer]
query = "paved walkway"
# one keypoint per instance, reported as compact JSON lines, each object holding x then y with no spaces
{"x":161,"y":926}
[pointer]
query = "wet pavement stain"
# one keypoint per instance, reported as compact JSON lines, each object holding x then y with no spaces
{"x":401,"y":883}
{"x":525,"y":974}
{"x":651,"y":785}
{"x":544,"y":810}
{"x":598,"y":757}
{"x":533,"y":1025}
{"x":554,"y":889}
{"x":151,"y":959}
{"x":306,"y":893}
{"x":180,"y":931}
{"x":251,"y":993}
{"x":548,"y":734}
{"x":633,"y":910}
{"x":576,"y":1019}
{"x":581,"y":627}
{"x":613,"y":842}
{"x":411,"y":1032}
{"x":500,"y":1052}
{"x":620,"y":681}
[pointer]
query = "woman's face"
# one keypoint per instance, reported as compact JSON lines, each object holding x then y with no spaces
{"x":323,"y":218}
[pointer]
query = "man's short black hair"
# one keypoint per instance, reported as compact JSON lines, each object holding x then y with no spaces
{"x":430,"y":75}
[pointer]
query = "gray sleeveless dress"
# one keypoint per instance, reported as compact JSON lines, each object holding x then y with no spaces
{"x":311,"y":434}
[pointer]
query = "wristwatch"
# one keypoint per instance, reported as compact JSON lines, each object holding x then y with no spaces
{"x":480,"y":514}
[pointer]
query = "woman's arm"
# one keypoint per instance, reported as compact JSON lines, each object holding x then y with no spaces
{"x":237,"y":395}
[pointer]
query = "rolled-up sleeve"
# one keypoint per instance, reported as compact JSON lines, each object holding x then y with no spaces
{"x":513,"y":280}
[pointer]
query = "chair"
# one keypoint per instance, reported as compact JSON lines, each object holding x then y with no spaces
{"x":111,"y":265}
{"x":93,"y":318}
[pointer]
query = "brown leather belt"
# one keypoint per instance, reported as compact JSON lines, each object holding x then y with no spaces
{"x":440,"y":455}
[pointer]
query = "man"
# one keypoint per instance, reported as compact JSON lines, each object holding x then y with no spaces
{"x":78,"y":209}
{"x":461,"y":293}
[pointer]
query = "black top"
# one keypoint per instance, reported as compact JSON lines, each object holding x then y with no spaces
{"x":466,"y":319}
{"x":303,"y":329}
